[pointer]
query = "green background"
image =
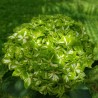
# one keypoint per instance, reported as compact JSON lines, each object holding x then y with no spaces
{"x":15,"y":12}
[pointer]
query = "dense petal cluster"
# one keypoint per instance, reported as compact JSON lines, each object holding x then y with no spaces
{"x":50,"y":53}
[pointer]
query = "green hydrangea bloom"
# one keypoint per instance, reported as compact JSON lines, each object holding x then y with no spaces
{"x":50,"y":53}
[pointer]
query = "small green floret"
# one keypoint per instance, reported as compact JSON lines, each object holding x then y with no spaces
{"x":50,"y":54}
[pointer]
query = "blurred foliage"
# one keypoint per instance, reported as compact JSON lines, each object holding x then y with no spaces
{"x":15,"y":12}
{"x":92,"y":80}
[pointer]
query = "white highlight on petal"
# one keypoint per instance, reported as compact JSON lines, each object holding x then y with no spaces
{"x":6,"y":61}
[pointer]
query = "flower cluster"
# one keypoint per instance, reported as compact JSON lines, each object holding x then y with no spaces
{"x":50,"y":53}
